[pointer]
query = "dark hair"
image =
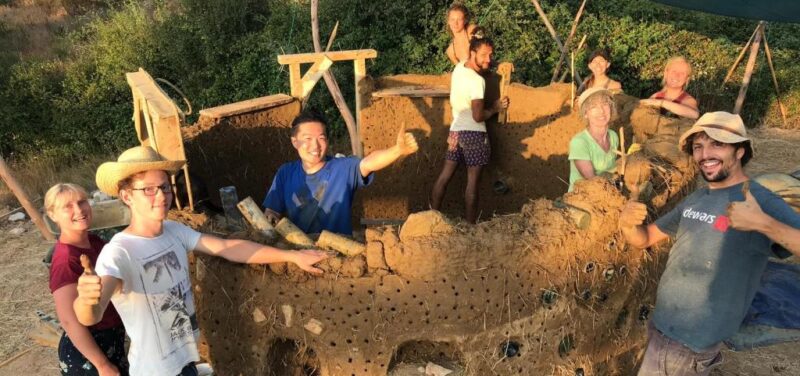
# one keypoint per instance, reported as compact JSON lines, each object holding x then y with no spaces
{"x":308,"y":116}
{"x":602,"y":52}
{"x":748,"y":147}
{"x":479,"y":38}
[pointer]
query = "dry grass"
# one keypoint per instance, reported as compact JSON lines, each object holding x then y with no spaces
{"x":776,"y":150}
{"x":37,"y":174}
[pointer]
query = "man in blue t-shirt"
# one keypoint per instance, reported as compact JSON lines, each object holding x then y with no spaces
{"x":724,"y":233}
{"x":316,"y":192}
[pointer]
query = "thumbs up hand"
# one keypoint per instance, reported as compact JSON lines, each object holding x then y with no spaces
{"x":746,"y":215}
{"x":89,"y":284}
{"x":406,"y":143}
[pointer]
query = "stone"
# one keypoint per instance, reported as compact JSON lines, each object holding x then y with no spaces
{"x":314,"y":326}
{"x":433,"y":369}
{"x":17,"y":231}
{"x":288,"y":312}
{"x":258,"y":316}
{"x":16,"y":217}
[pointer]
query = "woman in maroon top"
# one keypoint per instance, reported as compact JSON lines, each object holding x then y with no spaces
{"x":99,"y":349}
{"x":673,"y":99}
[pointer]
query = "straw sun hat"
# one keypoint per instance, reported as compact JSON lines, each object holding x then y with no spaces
{"x":721,"y":126}
{"x":591,"y":92}
{"x":130,"y":162}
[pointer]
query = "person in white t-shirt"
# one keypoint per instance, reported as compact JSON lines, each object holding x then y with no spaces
{"x":144,"y":269}
{"x":468,"y":142}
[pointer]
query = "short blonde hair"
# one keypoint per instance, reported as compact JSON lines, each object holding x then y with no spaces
{"x":671,"y":61}
{"x":55,"y":194}
{"x":603,"y":97}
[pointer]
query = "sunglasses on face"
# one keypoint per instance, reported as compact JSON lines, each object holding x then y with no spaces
{"x":153,"y":190}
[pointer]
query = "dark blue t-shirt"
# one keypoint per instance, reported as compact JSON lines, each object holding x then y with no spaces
{"x":713,"y":271}
{"x":318,"y":201}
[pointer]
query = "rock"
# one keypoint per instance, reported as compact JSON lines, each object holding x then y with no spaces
{"x":16,"y":217}
{"x":314,"y":326}
{"x":425,"y":224}
{"x":17,"y":231}
{"x":288,"y":312}
{"x":99,"y":196}
{"x":432,"y":369}
{"x":258,"y":316}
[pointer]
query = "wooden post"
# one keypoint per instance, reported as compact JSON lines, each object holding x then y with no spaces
{"x":504,"y":70}
{"x":295,"y":80}
{"x":567,"y":43}
{"x":313,"y":75}
{"x":360,"y":69}
{"x":774,"y":78}
{"x":23,"y":199}
{"x":550,"y":29}
{"x":333,"y":87}
{"x":748,"y":72}
{"x":739,"y":58}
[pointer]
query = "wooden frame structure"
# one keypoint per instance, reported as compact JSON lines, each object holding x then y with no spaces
{"x":301,"y":86}
{"x":158,"y":124}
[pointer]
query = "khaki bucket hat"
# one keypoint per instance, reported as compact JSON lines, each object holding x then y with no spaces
{"x":130,"y":162}
{"x":721,"y":126}
{"x":590,"y":92}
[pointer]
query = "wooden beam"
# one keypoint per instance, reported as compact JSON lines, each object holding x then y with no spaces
{"x":551,"y":30}
{"x":774,"y":79}
{"x":504,"y":69}
{"x":295,"y":80}
{"x":333,"y":55}
{"x":739,"y":58}
{"x":22,"y":197}
{"x":249,"y":105}
{"x":568,"y":42}
{"x":748,"y":72}
{"x":314,"y":74}
{"x":413,"y":92}
{"x":360,"y":69}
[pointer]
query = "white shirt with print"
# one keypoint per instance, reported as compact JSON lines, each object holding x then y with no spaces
{"x":155,"y":302}
{"x":466,"y":85}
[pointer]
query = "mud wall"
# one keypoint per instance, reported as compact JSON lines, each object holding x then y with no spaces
{"x":529,"y":152}
{"x":244,"y":150}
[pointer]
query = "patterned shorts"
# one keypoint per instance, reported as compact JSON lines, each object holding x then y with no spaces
{"x":110,"y":341}
{"x":472,"y":148}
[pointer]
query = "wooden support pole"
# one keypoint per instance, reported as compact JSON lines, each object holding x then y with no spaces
{"x":739,"y":58}
{"x":504,"y":69}
{"x":333,"y":87}
{"x":774,"y":78}
{"x":550,"y":29}
{"x":568,"y":42}
{"x":313,"y":75}
{"x":295,"y":80}
{"x":360,"y":70}
{"x":23,"y":199}
{"x":748,"y":72}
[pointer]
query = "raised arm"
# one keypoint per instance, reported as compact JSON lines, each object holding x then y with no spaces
{"x":636,"y":234}
{"x":377,"y":160}
{"x":747,"y":216}
{"x":247,"y":252}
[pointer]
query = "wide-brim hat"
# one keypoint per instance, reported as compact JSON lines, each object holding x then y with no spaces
{"x":591,"y":92}
{"x":722,"y":126}
{"x":130,"y":162}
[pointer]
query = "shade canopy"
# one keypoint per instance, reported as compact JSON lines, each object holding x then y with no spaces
{"x":764,"y":10}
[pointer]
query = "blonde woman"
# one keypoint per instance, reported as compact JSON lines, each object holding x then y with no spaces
{"x":592,"y":151}
{"x":458,"y":18}
{"x":673,"y":99}
{"x":94,"y":350}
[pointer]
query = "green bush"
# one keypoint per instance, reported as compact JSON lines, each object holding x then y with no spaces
{"x":223,"y":51}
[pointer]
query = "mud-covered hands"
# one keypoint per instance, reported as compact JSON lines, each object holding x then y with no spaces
{"x":89,"y":284}
{"x":747,"y":215}
{"x":406,"y":143}
{"x":633,"y":214}
{"x":306,"y":259}
{"x":652,"y":102}
{"x":501,"y":104}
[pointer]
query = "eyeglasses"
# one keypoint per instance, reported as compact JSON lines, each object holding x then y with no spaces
{"x":153,"y":190}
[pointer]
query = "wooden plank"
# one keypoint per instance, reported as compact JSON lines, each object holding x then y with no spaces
{"x":333,"y":55}
{"x":22,"y":197}
{"x":143,"y":86}
{"x":249,"y":105}
{"x":413,"y":92}
{"x":313,"y":75}
{"x":504,"y":70}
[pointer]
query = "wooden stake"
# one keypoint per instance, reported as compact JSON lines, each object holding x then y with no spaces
{"x":332,"y":37}
{"x":333,"y":87}
{"x":550,"y":29}
{"x":774,"y":79}
{"x":748,"y":72}
{"x":567,"y":43}
{"x":293,"y":234}
{"x":572,"y":84}
{"x":22,"y":197}
{"x":739,"y":58}
{"x":504,"y":69}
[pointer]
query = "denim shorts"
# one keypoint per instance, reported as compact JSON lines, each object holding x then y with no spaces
{"x":666,"y":356}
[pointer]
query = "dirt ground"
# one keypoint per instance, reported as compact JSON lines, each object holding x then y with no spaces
{"x":25,"y":286}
